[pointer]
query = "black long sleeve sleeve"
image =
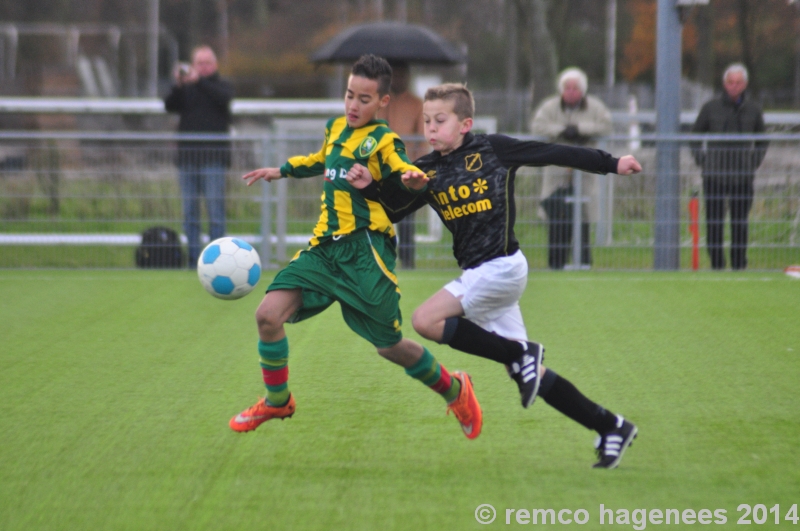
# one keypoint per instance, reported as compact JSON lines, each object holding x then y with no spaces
{"x":515,"y":152}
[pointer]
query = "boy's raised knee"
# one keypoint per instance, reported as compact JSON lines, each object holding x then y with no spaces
{"x":267,"y":318}
{"x":422,"y":324}
{"x":426,"y":326}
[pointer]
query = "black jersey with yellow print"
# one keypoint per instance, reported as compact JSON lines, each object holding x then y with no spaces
{"x":472,"y":190}
{"x":344,"y":208}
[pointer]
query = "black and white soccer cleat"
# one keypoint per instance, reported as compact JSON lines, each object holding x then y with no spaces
{"x":525,"y":371}
{"x":611,"y":445}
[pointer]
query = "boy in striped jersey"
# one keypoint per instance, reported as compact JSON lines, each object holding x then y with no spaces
{"x":350,"y":259}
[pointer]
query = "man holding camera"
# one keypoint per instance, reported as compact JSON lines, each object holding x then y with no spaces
{"x":202,"y":99}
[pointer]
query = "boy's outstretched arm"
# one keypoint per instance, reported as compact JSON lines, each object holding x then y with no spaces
{"x":515,"y":152}
{"x":268,"y":174}
{"x":414,"y":180}
{"x":628,"y":165}
{"x":360,"y":178}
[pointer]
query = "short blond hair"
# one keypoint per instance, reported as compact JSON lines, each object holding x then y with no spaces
{"x":459,"y":94}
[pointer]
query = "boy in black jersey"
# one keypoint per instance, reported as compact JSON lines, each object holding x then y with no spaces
{"x":469,"y":181}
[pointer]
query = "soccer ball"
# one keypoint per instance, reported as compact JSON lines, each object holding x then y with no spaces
{"x":229,"y":268}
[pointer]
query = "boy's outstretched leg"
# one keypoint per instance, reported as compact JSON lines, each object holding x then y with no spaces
{"x":440,"y":319}
{"x":522,"y":359}
{"x":279,"y":402}
{"x":615,"y":434}
{"x":273,"y":351}
{"x":455,"y":388}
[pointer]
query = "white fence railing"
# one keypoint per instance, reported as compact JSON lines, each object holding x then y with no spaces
{"x":82,"y":200}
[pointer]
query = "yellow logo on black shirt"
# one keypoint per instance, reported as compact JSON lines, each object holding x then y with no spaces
{"x":367,"y":147}
{"x":474,"y":162}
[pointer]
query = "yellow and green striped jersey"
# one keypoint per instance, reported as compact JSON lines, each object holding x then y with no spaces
{"x":344,"y":209}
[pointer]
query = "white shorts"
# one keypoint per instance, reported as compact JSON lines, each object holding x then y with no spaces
{"x":491,"y":292}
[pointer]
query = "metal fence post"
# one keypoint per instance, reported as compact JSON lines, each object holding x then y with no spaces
{"x":577,"y":200}
{"x":577,"y":218}
{"x":668,"y":99}
{"x":604,"y":210}
{"x":667,"y":215}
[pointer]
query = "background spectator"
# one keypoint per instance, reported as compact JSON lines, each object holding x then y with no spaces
{"x":202,"y":98}
{"x":570,"y":117}
{"x":729,"y":167}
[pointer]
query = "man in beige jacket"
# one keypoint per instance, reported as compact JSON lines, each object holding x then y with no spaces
{"x":570,"y":117}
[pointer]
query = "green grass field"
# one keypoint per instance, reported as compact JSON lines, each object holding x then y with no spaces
{"x":117,"y":387}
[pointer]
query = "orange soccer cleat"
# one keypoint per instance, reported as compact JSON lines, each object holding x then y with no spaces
{"x":466,"y":407}
{"x":252,"y":417}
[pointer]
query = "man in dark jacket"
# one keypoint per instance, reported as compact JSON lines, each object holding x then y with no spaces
{"x":729,"y":167}
{"x":202,"y":98}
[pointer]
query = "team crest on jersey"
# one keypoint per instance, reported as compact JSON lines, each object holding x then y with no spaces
{"x":474,"y":162}
{"x":367,"y":147}
{"x":431,"y":174}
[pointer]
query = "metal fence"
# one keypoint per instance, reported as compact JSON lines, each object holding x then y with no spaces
{"x":71,"y":200}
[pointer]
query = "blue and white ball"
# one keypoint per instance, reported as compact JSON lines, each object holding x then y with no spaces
{"x":229,"y":268}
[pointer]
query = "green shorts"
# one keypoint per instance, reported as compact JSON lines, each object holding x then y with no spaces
{"x":356,"y":270}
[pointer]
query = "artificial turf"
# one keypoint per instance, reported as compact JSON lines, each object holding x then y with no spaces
{"x":116,"y":388}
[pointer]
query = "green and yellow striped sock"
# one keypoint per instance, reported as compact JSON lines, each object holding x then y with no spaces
{"x":434,"y":375}
{"x":274,"y":367}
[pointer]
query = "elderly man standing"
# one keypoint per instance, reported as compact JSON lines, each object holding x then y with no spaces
{"x":570,"y":117}
{"x":202,"y":98}
{"x":729,"y":167}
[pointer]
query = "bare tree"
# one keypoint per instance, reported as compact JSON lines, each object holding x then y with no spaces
{"x":222,"y":29}
{"x":512,"y":62}
{"x":539,"y":46}
{"x":744,"y":37}
{"x":705,"y":48}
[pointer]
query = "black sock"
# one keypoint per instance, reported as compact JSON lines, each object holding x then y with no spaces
{"x":565,"y":398}
{"x":468,"y":337}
